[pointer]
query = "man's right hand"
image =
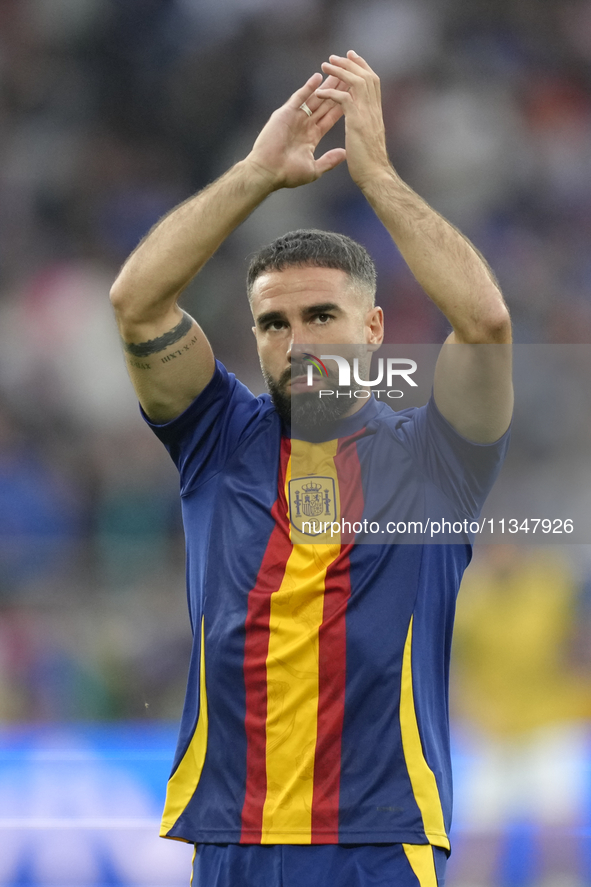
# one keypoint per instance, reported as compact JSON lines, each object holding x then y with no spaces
{"x":168,"y":357}
{"x":284,"y":151}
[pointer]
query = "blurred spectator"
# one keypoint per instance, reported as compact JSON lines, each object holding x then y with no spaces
{"x":516,"y":632}
{"x":40,"y":512}
{"x":60,"y":352}
{"x":134,"y":518}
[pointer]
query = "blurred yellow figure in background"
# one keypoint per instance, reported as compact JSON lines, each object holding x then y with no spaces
{"x":525,"y":702}
{"x":514,"y":630}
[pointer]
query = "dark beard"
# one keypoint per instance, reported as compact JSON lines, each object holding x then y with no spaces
{"x":309,"y":412}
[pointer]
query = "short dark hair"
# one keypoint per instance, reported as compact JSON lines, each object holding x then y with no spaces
{"x":321,"y":249}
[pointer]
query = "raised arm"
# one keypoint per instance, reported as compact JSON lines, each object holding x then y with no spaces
{"x":168,"y":356}
{"x":472,"y":385}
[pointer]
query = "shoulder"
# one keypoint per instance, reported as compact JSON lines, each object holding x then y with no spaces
{"x":395,"y":422}
{"x":225,"y":416}
{"x":224,"y":397}
{"x":428,"y":420}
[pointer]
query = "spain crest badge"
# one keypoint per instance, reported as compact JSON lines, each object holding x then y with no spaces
{"x":312,"y":504}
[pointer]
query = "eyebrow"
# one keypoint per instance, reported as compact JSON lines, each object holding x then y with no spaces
{"x":322,"y":308}
{"x":269,"y":317}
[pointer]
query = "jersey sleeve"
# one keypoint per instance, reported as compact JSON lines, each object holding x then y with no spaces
{"x":464,"y":471}
{"x":201,"y":439}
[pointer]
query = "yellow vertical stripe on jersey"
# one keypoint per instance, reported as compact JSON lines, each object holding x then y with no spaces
{"x":183,"y":782}
{"x":292,"y":670}
{"x":422,"y":778}
{"x":420,"y":857}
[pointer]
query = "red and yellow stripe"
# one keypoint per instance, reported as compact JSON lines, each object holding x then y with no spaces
{"x":256,"y":649}
{"x":295,"y":665}
{"x":332,"y":664}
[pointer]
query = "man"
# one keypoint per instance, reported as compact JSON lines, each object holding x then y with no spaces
{"x":314,"y":744}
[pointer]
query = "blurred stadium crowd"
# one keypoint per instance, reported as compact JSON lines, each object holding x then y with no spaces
{"x":111,"y":111}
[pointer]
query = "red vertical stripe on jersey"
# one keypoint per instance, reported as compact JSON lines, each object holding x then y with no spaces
{"x":332,"y":658}
{"x":256,"y":648}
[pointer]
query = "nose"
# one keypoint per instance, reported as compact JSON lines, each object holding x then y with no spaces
{"x":297,"y":338}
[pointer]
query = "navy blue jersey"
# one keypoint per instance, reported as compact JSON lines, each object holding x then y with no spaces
{"x":317,"y":700}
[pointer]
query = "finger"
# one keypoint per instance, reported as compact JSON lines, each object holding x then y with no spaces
{"x":360,"y":61}
{"x":351,"y":76}
{"x":330,"y":82}
{"x":326,"y":104}
{"x":327,"y":115}
{"x":351,"y":62}
{"x":329,"y":160}
{"x":341,"y":97}
{"x":329,"y":118}
{"x":304,"y":92}
{"x":315,"y":103}
{"x":373,"y":78}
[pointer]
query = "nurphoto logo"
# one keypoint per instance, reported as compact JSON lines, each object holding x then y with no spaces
{"x":399,"y":368}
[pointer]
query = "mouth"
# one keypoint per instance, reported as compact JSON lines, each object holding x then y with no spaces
{"x":299,"y":384}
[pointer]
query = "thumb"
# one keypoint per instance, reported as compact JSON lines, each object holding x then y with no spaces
{"x":329,"y":160}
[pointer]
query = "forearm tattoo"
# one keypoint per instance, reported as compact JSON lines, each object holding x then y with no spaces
{"x":152,"y":346}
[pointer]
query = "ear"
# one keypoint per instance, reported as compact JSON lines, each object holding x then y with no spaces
{"x":374,"y":326}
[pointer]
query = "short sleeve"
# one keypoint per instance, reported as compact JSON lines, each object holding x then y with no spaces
{"x":465,"y":471}
{"x":201,"y":439}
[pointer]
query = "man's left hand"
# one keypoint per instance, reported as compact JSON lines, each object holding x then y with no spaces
{"x":361,"y":103}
